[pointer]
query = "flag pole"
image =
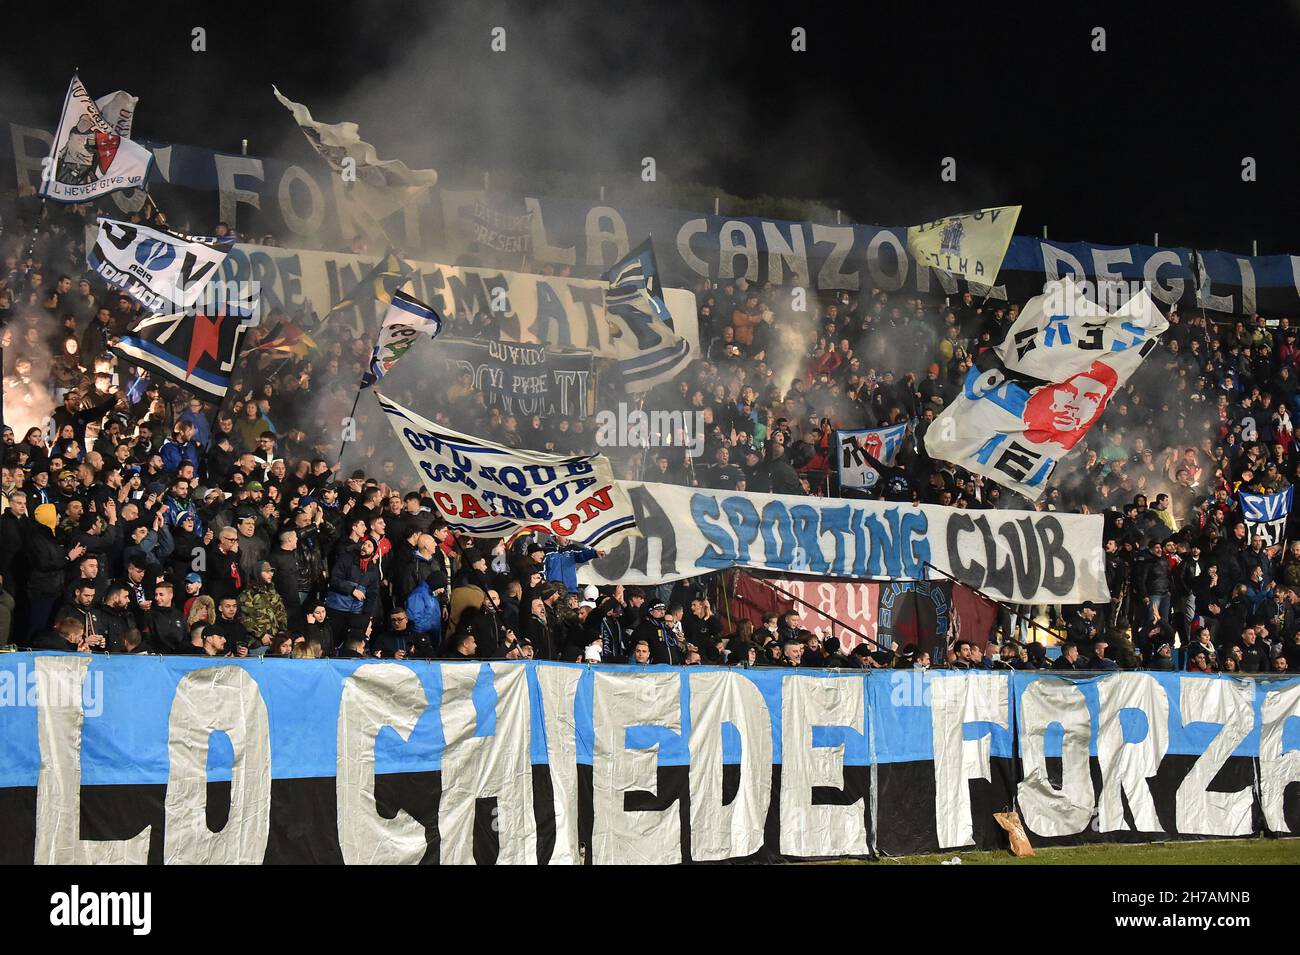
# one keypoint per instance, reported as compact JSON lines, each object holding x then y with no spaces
{"x":351,"y":417}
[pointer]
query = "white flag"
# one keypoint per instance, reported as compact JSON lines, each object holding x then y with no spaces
{"x":92,"y":156}
{"x":1062,"y":360}
{"x":971,"y":245}
{"x":406,"y":320}
{"x":489,"y":490}
{"x":337,"y":142}
{"x":163,"y":271}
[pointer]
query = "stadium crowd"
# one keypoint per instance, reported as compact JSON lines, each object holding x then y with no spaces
{"x":145,"y":520}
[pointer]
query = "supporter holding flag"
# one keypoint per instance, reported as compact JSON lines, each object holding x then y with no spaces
{"x":406,"y":320}
{"x":91,"y":156}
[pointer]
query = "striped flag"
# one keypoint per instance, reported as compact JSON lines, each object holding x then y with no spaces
{"x":650,"y":351}
{"x":408,"y":318}
{"x":197,"y":352}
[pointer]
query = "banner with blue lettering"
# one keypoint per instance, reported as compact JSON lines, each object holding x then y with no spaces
{"x":1267,"y":514}
{"x":1016,"y":556}
{"x":201,"y":761}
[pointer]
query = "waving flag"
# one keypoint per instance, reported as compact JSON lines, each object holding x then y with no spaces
{"x":388,"y":275}
{"x":641,"y":327}
{"x":194,"y":351}
{"x":92,"y":156}
{"x":1267,"y":514}
{"x":1055,"y":372}
{"x":337,"y":142}
{"x":489,"y":490}
{"x":408,"y":318}
{"x":971,"y":245}
{"x":160,"y":270}
{"x":881,"y":443}
{"x":288,"y":338}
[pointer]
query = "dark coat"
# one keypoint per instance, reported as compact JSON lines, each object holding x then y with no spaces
{"x":47,"y":563}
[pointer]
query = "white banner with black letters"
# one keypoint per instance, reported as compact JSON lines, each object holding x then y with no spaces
{"x":163,"y":271}
{"x":1017,"y":556}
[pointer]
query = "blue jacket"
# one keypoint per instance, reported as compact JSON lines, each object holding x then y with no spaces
{"x":348,"y":576}
{"x":562,"y":565}
{"x":423,"y":609}
{"x":174,"y":454}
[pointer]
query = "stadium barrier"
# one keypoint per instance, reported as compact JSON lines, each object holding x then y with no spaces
{"x":187,"y":760}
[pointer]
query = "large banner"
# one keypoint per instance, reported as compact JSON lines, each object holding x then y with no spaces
{"x":1016,"y":556}
{"x":488,"y":490}
{"x":308,"y":205}
{"x":881,"y":443}
{"x":183,"y":760}
{"x":522,"y":379}
{"x":1267,"y":514}
{"x":530,"y":309}
{"x":692,"y":245}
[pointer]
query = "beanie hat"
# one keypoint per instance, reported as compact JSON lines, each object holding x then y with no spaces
{"x":47,"y":515}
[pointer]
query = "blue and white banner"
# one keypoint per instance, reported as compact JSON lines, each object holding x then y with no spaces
{"x":1016,"y":556}
{"x":1267,"y":514}
{"x":489,"y":490}
{"x":408,"y":320}
{"x":852,"y":447}
{"x":163,"y":271}
{"x":266,"y":194}
{"x":128,"y":760}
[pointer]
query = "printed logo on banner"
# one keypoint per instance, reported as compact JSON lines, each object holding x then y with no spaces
{"x":153,"y":254}
{"x":881,"y":443}
{"x":950,"y":241}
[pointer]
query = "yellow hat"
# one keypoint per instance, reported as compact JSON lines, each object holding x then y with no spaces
{"x":47,"y":515}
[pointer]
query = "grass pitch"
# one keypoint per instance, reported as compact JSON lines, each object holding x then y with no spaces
{"x":1215,"y":852}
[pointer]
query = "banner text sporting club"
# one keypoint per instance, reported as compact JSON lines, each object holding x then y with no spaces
{"x":293,"y":200}
{"x":1016,"y":556}
{"x":131,"y":760}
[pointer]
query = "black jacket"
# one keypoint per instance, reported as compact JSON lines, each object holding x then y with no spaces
{"x":47,"y":563}
{"x":167,"y":630}
{"x":663,"y":642}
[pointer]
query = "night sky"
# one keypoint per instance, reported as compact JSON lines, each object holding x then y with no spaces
{"x":1110,"y":147}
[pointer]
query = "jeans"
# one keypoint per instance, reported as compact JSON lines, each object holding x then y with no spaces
{"x":1158,"y":602}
